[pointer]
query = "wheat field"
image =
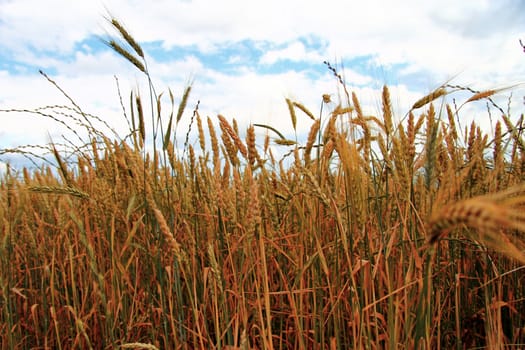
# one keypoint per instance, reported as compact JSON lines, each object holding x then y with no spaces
{"x":371,"y":233}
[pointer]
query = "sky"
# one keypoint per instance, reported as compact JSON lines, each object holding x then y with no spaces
{"x":244,"y":58}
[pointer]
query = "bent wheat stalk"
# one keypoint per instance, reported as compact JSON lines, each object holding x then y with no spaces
{"x":490,"y":216}
{"x":429,"y":98}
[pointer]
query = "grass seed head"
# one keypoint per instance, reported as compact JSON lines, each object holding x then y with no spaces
{"x":430,"y":97}
{"x":127,"y":55}
{"x":129,"y":39}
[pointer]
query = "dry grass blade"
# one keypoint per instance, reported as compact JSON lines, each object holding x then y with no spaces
{"x":138,"y":346}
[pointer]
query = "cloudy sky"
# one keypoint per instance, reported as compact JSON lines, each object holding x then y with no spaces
{"x":244,"y":57}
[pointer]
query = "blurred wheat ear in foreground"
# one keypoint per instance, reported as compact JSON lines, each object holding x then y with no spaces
{"x":492,"y":216}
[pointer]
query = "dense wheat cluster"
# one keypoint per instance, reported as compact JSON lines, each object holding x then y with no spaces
{"x":372,"y":233}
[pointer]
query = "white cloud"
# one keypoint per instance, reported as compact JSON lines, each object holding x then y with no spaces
{"x":295,"y":51}
{"x":436,"y":40}
{"x":53,"y":25}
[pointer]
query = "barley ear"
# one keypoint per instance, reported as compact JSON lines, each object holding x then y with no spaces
{"x":481,"y":95}
{"x":489,"y":217}
{"x":231,"y":150}
{"x":285,"y":142}
{"x":126,"y":54}
{"x":291,"y":109}
{"x":312,"y":136}
{"x":183,"y":103}
{"x":61,"y":166}
{"x":429,"y":98}
{"x":431,"y":146}
{"x":167,"y":135}
{"x":129,"y":39}
{"x":226,"y":128}
{"x":357,"y":106}
{"x":250,"y":142}
{"x":59,"y":190}
{"x":387,"y":111}
{"x":304,"y":109}
{"x":214,"y":142}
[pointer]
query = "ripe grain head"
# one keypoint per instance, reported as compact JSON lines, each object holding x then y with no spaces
{"x":489,"y":217}
{"x":430,"y":97}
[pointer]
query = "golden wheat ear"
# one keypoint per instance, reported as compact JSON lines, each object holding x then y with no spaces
{"x":490,"y":216}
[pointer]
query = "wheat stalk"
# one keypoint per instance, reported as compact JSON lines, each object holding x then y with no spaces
{"x":357,"y":106}
{"x":129,"y":39}
{"x":231,"y":151}
{"x":429,"y":98}
{"x":59,"y":190}
{"x":314,"y":130}
{"x":328,"y":150}
{"x":183,"y":103}
{"x":253,"y":215}
{"x":285,"y":142}
{"x":213,"y":141}
{"x":411,"y":137}
{"x":127,"y":55}
{"x":226,"y":128}
{"x":387,"y":111}
{"x":316,"y":187}
{"x":174,"y":246}
{"x":489,"y":215}
{"x":250,"y":142}
{"x":304,"y":109}
{"x":142,"y":127}
{"x":291,"y":109}
{"x":498,"y":156}
{"x":138,"y":346}
{"x":215,"y":269}
{"x":202,"y":140}
{"x":479,"y":95}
